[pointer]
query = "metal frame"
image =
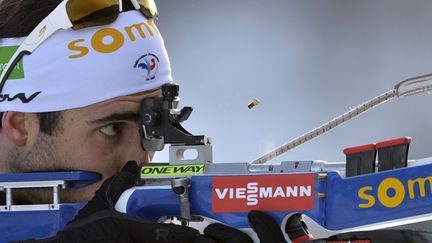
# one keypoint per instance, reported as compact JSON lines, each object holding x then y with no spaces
{"x":9,"y":186}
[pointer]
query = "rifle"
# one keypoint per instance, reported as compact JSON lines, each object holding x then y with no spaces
{"x":335,"y":197}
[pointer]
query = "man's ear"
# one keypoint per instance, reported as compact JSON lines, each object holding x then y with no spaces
{"x":15,"y":127}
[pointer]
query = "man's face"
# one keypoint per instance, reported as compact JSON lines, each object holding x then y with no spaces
{"x":100,"y":138}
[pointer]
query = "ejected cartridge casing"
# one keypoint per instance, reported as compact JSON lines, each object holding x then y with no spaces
{"x":253,"y":103}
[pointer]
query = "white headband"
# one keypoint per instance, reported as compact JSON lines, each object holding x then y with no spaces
{"x":73,"y":69}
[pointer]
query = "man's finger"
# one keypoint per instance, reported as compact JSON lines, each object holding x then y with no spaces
{"x":121,"y":182}
{"x":267,"y":229}
{"x":107,"y":195}
{"x":225,"y":234}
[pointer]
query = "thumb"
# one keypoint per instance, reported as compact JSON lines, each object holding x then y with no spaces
{"x":108,"y":194}
{"x":113,"y":187}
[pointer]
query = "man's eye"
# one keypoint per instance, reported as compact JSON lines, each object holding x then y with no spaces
{"x":110,"y":130}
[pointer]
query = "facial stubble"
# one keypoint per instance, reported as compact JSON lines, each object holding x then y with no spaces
{"x":44,"y":156}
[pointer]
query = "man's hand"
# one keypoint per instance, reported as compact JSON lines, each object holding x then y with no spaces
{"x":99,"y":222}
{"x":264,"y":226}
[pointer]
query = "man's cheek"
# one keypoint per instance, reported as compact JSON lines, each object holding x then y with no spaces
{"x":83,"y":194}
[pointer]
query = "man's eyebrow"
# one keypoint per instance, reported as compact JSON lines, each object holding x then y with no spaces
{"x":125,"y":116}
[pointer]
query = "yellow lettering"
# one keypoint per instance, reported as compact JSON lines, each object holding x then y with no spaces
{"x":151,"y":23}
{"x":100,"y":37}
{"x":421,"y":184}
{"x":399,"y":189}
{"x":100,"y":46}
{"x":362,"y":194}
{"x":82,"y":49}
{"x":138,"y":28}
{"x":148,"y":29}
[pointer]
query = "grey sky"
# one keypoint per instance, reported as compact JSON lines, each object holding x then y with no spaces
{"x":307,"y":61}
